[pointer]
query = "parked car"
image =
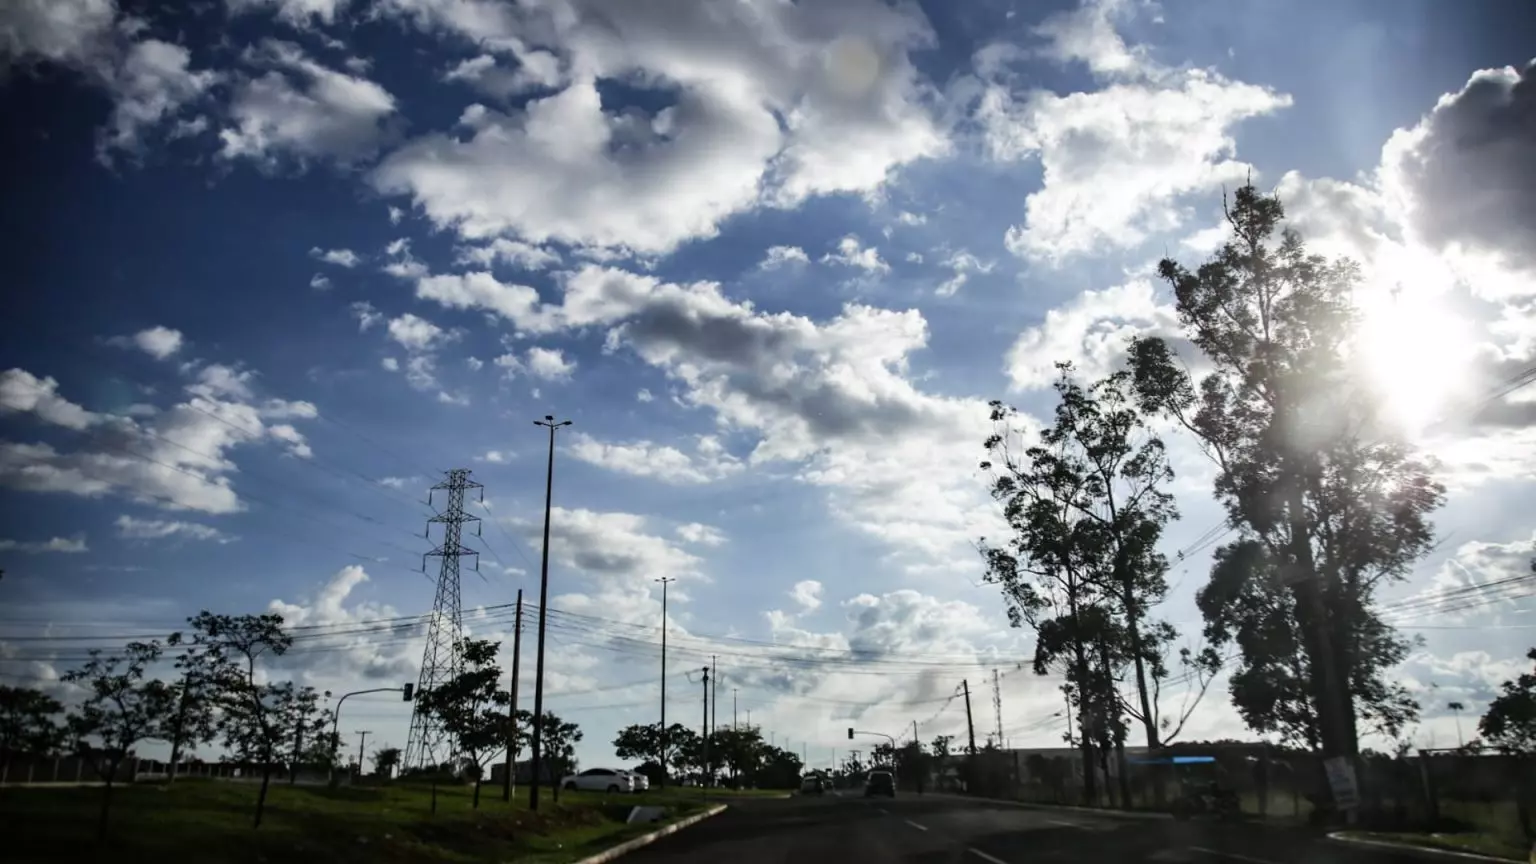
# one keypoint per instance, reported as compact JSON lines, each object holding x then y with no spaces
{"x":813,"y":784}
{"x":600,"y":780}
{"x":880,"y":783}
{"x":641,"y":782}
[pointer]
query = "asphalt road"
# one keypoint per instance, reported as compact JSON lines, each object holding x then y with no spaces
{"x":949,"y":830}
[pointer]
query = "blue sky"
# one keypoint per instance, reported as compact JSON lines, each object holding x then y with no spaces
{"x":276,"y":264}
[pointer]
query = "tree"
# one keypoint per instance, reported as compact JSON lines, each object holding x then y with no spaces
{"x":1328,"y":500}
{"x":559,"y":745}
{"x":120,"y":710}
{"x":643,"y":741}
{"x":740,"y":749}
{"x":257,"y":720}
{"x":472,"y":708}
{"x":194,"y":721}
{"x":385,"y":760}
{"x":27,"y":724}
{"x":1510,"y":721}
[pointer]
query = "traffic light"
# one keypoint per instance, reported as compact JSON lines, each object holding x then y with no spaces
{"x":408,"y":690}
{"x":850,"y":733}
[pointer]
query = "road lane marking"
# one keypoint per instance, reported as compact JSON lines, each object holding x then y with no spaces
{"x":1060,"y":822}
{"x":915,"y":825}
{"x":1233,"y":855}
{"x":984,"y":856}
{"x":883,"y":810}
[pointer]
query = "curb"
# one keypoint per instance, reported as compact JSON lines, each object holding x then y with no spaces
{"x":647,"y":839}
{"x":1418,"y":851}
{"x":1097,"y":811}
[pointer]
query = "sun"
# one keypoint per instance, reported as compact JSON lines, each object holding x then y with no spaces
{"x":1418,"y":352}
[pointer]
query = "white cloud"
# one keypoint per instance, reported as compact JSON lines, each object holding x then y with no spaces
{"x":301,"y":109}
{"x":534,"y":70}
{"x":366,"y":315}
{"x":319,"y":282}
{"x":549,"y":364}
{"x":906,"y":217}
{"x":806,"y":594}
{"x":340,"y":257}
{"x":176,"y":458}
{"x":778,"y":256}
{"x":415,"y":333}
{"x":496,"y":457}
{"x":20,"y":390}
{"x":644,"y":395}
{"x":157,"y":342}
{"x":475,"y":364}
{"x":1114,"y":158}
{"x":390,"y":364}
{"x":853,"y":109}
{"x":708,"y":462}
{"x":66,"y":545}
{"x":421,"y":371}
{"x":1092,"y":330}
{"x":513,"y":253}
{"x":701,"y":534}
{"x":348,"y":659}
{"x":459,"y":399}
{"x":74,"y":32}
{"x":130,"y":528}
{"x":395,"y":215}
{"x":398,"y":482}
{"x":152,"y":83}
{"x":851,"y":253}
{"x":963,"y":264}
{"x":297,"y":13}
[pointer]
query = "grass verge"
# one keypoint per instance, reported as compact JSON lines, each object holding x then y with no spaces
{"x":1479,"y":844}
{"x":210,"y":821}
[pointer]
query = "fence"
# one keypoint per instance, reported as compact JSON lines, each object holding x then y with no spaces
{"x":23,"y":769}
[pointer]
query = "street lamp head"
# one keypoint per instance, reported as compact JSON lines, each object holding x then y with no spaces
{"x":549,"y":417}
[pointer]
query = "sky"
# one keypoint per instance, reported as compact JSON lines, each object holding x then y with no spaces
{"x":274,"y":266}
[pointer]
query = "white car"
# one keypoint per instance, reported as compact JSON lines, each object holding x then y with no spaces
{"x":600,"y":780}
{"x":641,"y":782}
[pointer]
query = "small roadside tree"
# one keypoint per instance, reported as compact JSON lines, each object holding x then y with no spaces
{"x":385,"y":760}
{"x":193,"y":722}
{"x":120,"y":710}
{"x":559,"y":746}
{"x":27,"y":724}
{"x":1510,"y":721}
{"x":472,"y":708}
{"x":643,"y":741}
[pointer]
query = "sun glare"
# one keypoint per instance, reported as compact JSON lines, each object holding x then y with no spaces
{"x":1419,"y":354}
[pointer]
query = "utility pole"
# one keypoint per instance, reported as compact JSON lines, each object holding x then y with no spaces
{"x":362,"y":738}
{"x":708,"y":774}
{"x":733,"y":709}
{"x":665,"y":581}
{"x":714,"y":695}
{"x":440,"y":660}
{"x":538,"y":674}
{"x":970,"y":726}
{"x":517,"y":658}
{"x":997,"y":706}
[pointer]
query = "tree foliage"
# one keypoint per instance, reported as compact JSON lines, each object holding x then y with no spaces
{"x":559,"y":745}
{"x":385,"y":761}
{"x":643,"y":741}
{"x":1327,"y":499}
{"x":472,"y":708}
{"x":28,"y":721}
{"x":1510,"y":721}
{"x":121,"y":709}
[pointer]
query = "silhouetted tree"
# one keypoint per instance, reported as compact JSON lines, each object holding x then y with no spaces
{"x":27,"y":724}
{"x":472,"y":708}
{"x":1510,"y":721}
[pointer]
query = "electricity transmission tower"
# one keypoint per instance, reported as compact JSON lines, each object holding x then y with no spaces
{"x":441,"y":661}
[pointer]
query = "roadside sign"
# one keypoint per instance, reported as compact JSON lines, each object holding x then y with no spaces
{"x":1341,"y":780}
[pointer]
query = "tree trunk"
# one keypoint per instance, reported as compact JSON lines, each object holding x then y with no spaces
{"x":1085,"y":738}
{"x":176,"y":733}
{"x":477,"y":792}
{"x":106,"y":807}
{"x":261,"y":797}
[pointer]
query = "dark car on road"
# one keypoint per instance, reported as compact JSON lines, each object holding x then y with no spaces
{"x":812,"y":784}
{"x":880,"y":783}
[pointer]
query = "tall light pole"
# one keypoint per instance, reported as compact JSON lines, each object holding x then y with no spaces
{"x":538,"y":674}
{"x":665,"y":581}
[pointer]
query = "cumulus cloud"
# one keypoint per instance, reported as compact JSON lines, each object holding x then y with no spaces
{"x":760,"y":102}
{"x":157,"y":342}
{"x":806,"y":594}
{"x":302,"y":110}
{"x":152,"y":82}
{"x":130,"y":528}
{"x":297,"y":13}
{"x":512,"y":253}
{"x":496,"y":457}
{"x":415,"y":333}
{"x":1114,"y":158}
{"x":851,"y":253}
{"x":709,"y":461}
{"x":1091,"y":330}
{"x":547,"y":364}
{"x":643,"y":395}
{"x":962,"y":264}
{"x":340,"y":257}
{"x":66,"y":545}
{"x":366,"y":315}
{"x":1465,"y":175}
{"x":176,"y":458}
{"x":701,"y":534}
{"x":348,"y":658}
{"x":319,"y":282}
{"x":778,"y":256}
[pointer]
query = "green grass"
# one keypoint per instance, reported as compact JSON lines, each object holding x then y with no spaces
{"x":1481,"y":844}
{"x":210,"y":821}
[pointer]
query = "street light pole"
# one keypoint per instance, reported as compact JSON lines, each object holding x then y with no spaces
{"x":538,"y":674}
{"x":665,"y":581}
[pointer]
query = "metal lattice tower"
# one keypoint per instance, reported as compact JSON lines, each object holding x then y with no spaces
{"x":441,"y":661}
{"x":997,"y":706}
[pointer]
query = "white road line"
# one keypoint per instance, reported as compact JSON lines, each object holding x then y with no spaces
{"x":915,"y":825}
{"x":883,"y":810}
{"x":1060,"y":822}
{"x":1232,"y":855}
{"x":984,"y":856}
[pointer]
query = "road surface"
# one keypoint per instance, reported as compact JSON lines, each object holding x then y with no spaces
{"x":951,"y":830}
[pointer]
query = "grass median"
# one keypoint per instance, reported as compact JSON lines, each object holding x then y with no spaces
{"x":210,"y":821}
